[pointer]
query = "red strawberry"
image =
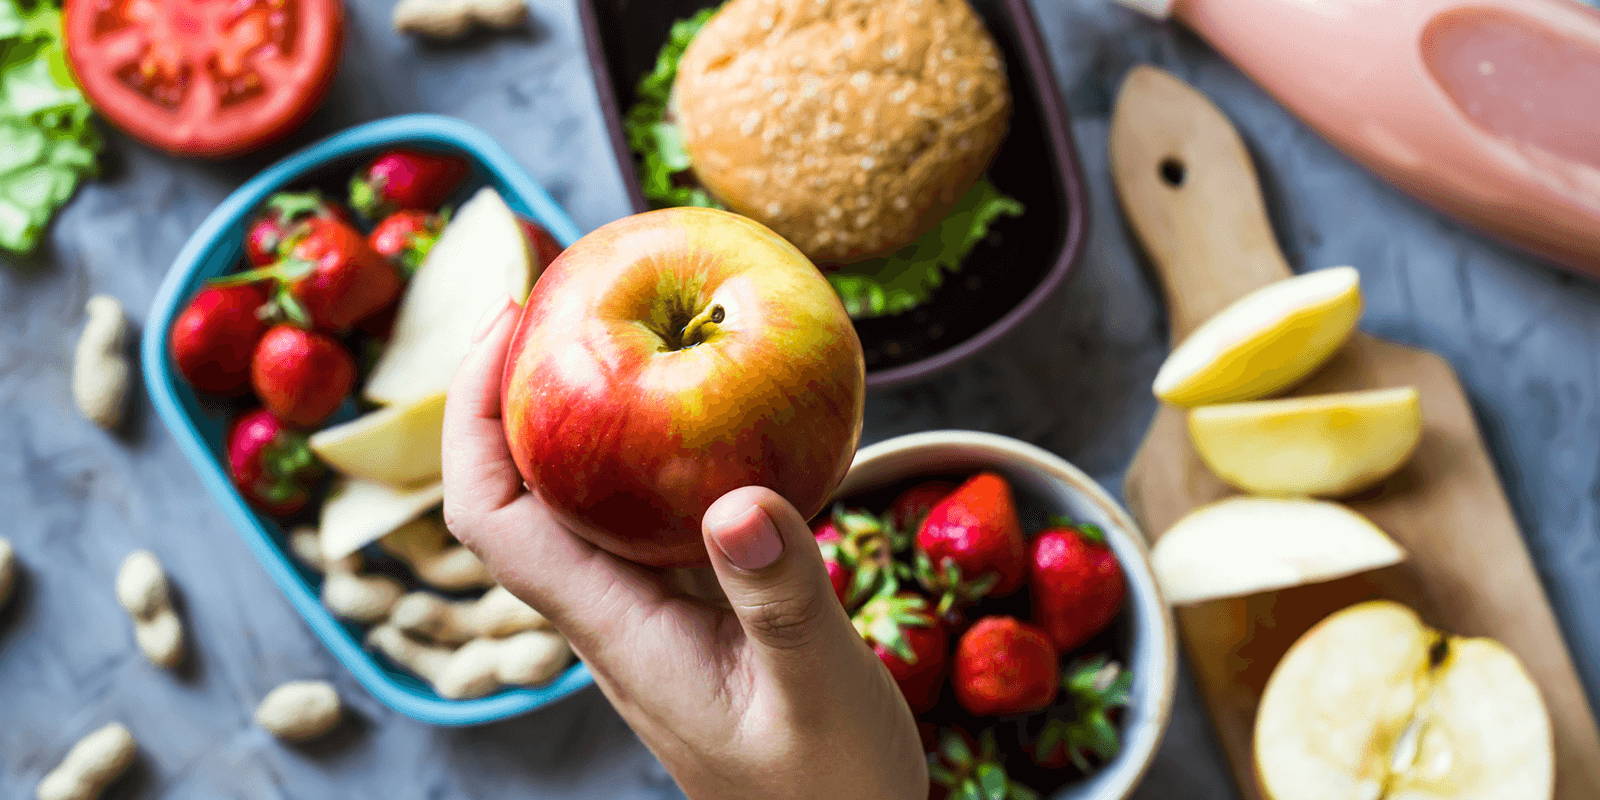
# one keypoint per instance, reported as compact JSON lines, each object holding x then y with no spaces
{"x":271,"y":464}
{"x":962,"y":769}
{"x":281,"y":211}
{"x":1096,"y":688}
{"x":329,"y":277}
{"x":828,"y":538}
{"x":215,"y":336}
{"x":300,"y":375}
{"x":971,"y":544}
{"x":908,"y":510}
{"x":406,"y":179}
{"x":910,"y":642}
{"x":1004,"y":666}
{"x":405,"y":237}
{"x":859,"y":553}
{"x":545,"y":247}
{"x":1076,"y":583}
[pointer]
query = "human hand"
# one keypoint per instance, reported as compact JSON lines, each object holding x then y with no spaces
{"x":770,"y":695}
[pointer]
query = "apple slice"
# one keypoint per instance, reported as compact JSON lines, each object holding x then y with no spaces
{"x":398,"y":445}
{"x":1244,"y":545}
{"x":480,"y":261}
{"x":359,"y":512}
{"x":1373,"y":704}
{"x":1332,"y":444}
{"x":1264,"y":342}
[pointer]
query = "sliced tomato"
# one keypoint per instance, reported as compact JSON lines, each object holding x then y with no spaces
{"x":204,"y":77}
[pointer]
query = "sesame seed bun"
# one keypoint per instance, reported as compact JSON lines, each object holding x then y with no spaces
{"x":850,"y":127}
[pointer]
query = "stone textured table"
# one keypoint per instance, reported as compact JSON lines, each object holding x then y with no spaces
{"x":1525,"y":338}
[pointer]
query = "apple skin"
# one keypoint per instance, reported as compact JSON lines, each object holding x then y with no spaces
{"x":629,"y":438}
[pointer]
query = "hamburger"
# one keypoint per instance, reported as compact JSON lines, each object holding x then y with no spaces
{"x":859,"y":130}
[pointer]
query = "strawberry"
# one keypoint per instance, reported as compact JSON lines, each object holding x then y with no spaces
{"x":268,"y":230}
{"x":908,"y":510}
{"x":839,"y":574}
{"x":910,"y":642}
{"x":215,"y":336}
{"x":858,"y":551}
{"x":1004,"y":666}
{"x":1095,"y":688}
{"x":1076,"y":583}
{"x":406,"y":180}
{"x":545,"y":247}
{"x":301,"y":376}
{"x":961,"y":769}
{"x":270,"y":463}
{"x":405,"y":237}
{"x":329,"y":277}
{"x":971,"y":544}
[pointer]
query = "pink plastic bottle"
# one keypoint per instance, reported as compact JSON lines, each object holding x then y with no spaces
{"x":1487,"y":109}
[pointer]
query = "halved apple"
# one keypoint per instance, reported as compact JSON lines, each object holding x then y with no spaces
{"x":1372,"y":704}
{"x":397,"y":445}
{"x":480,"y":261}
{"x":1331,"y":444}
{"x":1264,"y":342}
{"x":358,"y":512}
{"x":1244,"y":545}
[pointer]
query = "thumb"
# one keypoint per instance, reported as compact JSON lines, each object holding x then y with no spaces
{"x":771,"y":570}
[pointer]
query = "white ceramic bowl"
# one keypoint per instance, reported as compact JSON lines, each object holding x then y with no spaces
{"x":1046,"y":485}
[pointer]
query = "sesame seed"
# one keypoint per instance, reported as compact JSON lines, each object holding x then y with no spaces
{"x":891,"y":52}
{"x":848,"y":41}
{"x":751,"y":121}
{"x":779,"y":98}
{"x":863,"y":220}
{"x":949,"y":53}
{"x":767,"y":22}
{"x":774,"y":209}
{"x":798,"y":62}
{"x":835,"y":212}
{"x":859,"y":80}
{"x":768,"y":84}
{"x":868,"y":162}
{"x":901,"y":203}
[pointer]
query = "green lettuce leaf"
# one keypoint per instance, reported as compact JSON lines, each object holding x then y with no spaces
{"x":656,"y":140}
{"x":905,"y":279}
{"x":48,"y":142}
{"x":877,"y":287}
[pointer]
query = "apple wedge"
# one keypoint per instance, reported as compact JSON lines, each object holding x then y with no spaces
{"x":1330,"y":445}
{"x":480,"y":261}
{"x":359,"y":512}
{"x":1372,"y":704}
{"x":1264,"y":342}
{"x":1244,"y":545}
{"x":397,"y":445}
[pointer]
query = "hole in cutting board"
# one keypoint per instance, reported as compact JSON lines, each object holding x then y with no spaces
{"x":1172,"y":171}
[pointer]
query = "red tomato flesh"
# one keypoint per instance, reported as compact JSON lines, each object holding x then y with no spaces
{"x":204,"y":77}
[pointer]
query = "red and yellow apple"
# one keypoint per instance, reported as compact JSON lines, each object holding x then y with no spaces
{"x":668,"y":358}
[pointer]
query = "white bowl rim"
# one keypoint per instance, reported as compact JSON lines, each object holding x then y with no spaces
{"x":1123,"y":775}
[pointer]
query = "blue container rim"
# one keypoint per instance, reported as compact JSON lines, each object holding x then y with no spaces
{"x":406,"y":696}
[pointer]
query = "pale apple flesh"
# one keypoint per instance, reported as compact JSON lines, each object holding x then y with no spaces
{"x":1244,"y":545}
{"x":1331,"y":445}
{"x":668,"y":358}
{"x":1372,"y":704}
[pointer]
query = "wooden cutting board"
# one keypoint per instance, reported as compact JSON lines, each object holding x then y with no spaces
{"x":1190,"y":193}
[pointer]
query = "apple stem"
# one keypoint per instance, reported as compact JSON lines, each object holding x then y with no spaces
{"x":693,"y":332}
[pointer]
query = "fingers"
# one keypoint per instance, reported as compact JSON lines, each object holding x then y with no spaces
{"x":769,"y":567}
{"x":586,"y":592}
{"x":479,"y":475}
